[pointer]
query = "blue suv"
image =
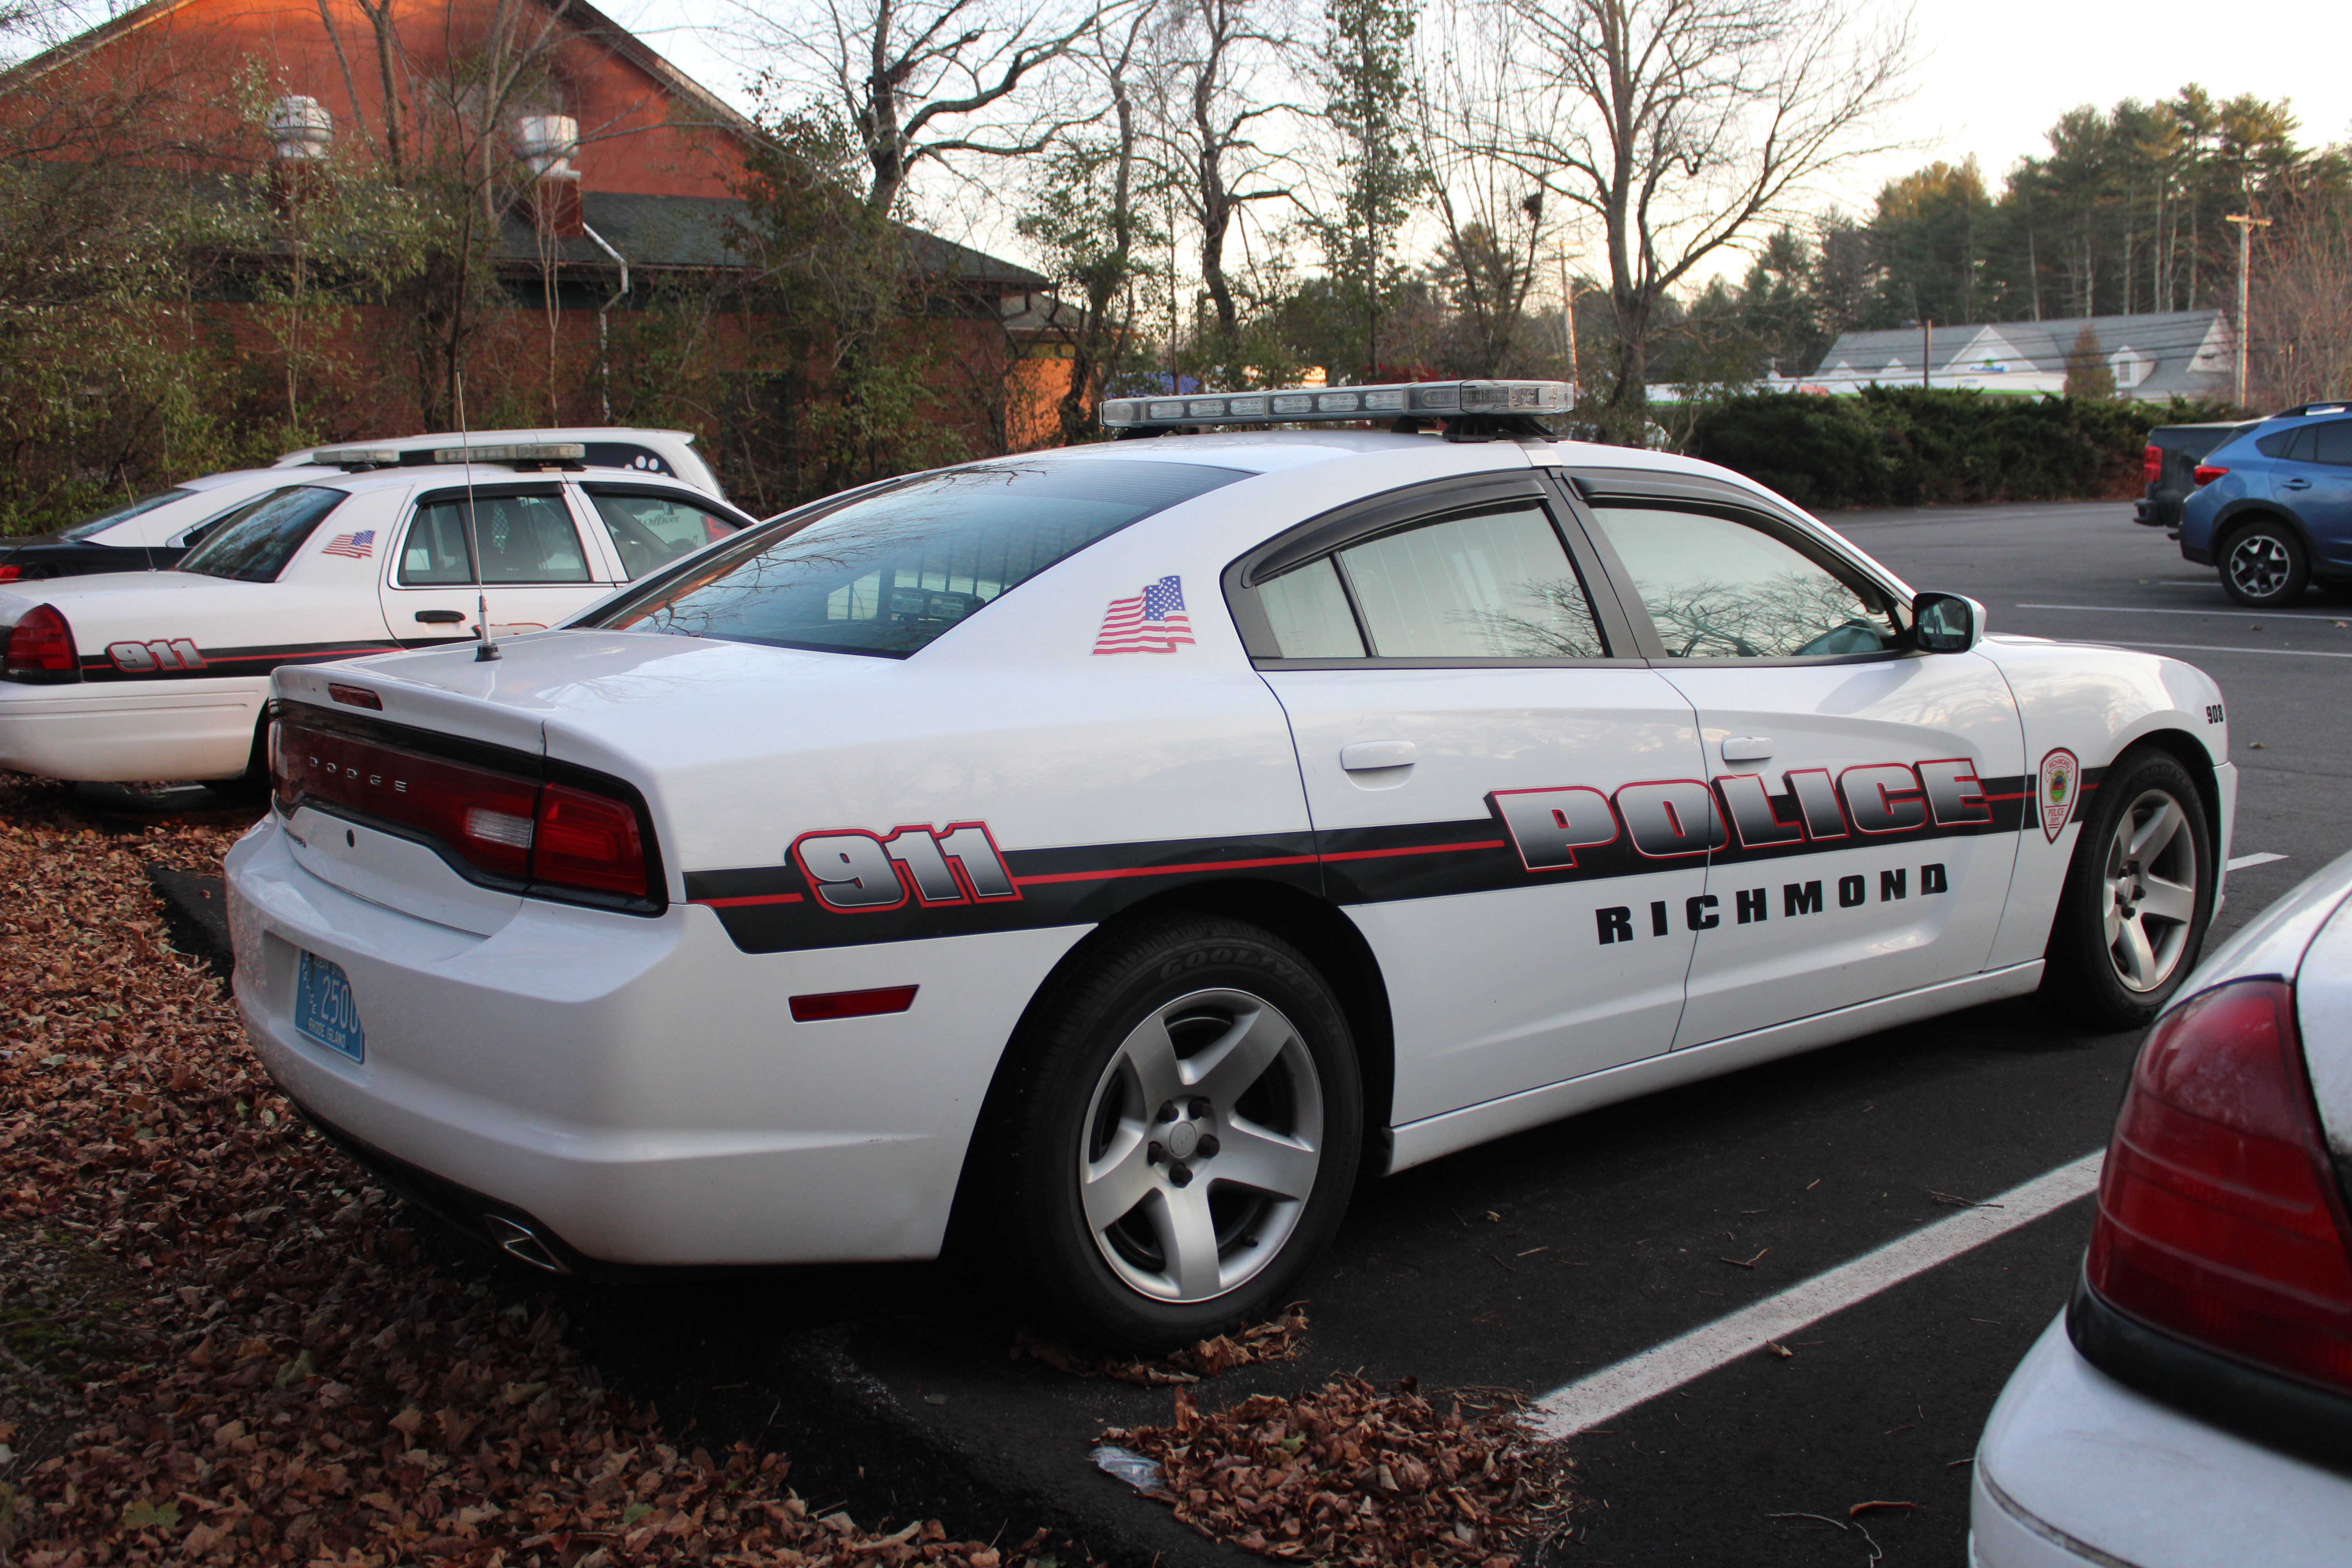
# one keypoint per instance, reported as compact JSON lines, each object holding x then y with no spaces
{"x":2272,"y":508}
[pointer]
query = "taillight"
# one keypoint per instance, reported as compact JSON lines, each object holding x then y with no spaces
{"x":2207,"y":473}
{"x":2220,"y":1220}
{"x":41,"y":648}
{"x":2151,"y":463}
{"x":10,"y":574}
{"x":517,"y":829}
{"x":585,"y":840}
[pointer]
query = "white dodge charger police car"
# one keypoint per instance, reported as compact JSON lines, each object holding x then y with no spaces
{"x":1109,"y":851}
{"x":164,"y":675}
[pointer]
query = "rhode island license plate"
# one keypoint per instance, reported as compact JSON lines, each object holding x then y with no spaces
{"x":323,"y":1008}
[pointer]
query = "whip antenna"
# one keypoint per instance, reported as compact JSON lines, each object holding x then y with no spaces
{"x":487,"y":648}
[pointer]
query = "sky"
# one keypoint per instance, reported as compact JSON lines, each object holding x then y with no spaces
{"x":1993,"y":75}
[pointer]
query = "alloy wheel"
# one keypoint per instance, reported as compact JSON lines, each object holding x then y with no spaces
{"x":2150,"y":893}
{"x":2259,"y":565}
{"x":1203,"y":1141}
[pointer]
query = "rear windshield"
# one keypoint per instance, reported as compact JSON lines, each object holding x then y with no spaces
{"x":108,"y":518}
{"x":254,"y":544}
{"x":887,"y":574}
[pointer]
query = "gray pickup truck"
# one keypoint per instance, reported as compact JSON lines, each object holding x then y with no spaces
{"x":2169,"y":464}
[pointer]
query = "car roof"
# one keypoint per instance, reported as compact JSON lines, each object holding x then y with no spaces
{"x":480,"y":474}
{"x":1271,"y":451}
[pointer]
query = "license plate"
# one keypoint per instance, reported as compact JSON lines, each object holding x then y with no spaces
{"x":323,"y":1010}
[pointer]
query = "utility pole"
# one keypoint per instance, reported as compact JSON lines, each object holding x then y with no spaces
{"x":2246,"y":227}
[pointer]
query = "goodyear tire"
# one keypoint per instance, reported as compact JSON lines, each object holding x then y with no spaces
{"x":2138,"y":895}
{"x":2264,"y":565}
{"x":1182,"y":1127}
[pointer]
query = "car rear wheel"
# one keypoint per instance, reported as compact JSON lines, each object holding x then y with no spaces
{"x":1184,"y":1130}
{"x":2138,"y":894}
{"x":2264,"y":565}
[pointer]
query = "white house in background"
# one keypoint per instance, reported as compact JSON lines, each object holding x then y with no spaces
{"x":2155,"y":356}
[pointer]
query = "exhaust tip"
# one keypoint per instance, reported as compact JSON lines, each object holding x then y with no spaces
{"x":519,"y":1240}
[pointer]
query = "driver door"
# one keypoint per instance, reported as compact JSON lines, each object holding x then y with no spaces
{"x":1871,"y":792}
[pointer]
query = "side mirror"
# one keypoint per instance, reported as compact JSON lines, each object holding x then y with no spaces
{"x":1946,"y":623}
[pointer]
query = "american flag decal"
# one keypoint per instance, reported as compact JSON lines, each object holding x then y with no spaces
{"x":1151,"y":622}
{"x":358,"y":546}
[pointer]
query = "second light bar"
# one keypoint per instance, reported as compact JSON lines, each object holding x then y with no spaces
{"x":1431,"y":399}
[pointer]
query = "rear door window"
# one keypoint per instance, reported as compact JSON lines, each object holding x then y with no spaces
{"x":2332,"y":443}
{"x":890,"y":571}
{"x":254,"y":544}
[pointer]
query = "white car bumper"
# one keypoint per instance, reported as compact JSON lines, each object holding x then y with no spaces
{"x":635,"y":1087}
{"x":2076,"y":1469}
{"x":119,"y":732}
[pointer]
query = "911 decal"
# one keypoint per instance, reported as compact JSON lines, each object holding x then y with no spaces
{"x":852,"y":872}
{"x":163,"y":653}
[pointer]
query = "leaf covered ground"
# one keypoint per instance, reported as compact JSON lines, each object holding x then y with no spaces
{"x":1357,"y":1475}
{"x":218,"y":1343}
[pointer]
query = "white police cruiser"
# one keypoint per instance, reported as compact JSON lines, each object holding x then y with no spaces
{"x":1113,"y":849}
{"x":164,"y":675}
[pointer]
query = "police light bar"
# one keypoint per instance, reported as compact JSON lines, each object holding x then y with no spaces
{"x":1431,"y":399}
{"x":538,"y":452}
{"x":358,"y":457}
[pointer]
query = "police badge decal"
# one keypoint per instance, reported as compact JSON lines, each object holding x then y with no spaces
{"x":2056,"y":790}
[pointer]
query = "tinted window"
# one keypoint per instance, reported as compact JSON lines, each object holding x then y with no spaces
{"x":1716,"y":588}
{"x":1308,"y":612}
{"x":254,"y":544}
{"x":108,"y":518}
{"x":889,"y":572}
{"x":2332,"y":443}
{"x":651,"y":530}
{"x":523,"y":539}
{"x":1495,"y":585}
{"x":2277,"y":443}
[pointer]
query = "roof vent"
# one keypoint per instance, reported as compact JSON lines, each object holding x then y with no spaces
{"x":299,"y":127}
{"x":546,"y":142}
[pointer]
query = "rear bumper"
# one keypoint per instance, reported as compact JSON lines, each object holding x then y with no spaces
{"x":122,"y":731}
{"x":634,"y":1089}
{"x":2075,"y":1469}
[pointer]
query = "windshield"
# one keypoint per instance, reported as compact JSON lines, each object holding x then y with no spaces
{"x":106,"y":519}
{"x":888,"y":574}
{"x":254,"y":544}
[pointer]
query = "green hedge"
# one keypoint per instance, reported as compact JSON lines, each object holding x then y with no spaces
{"x":1915,"y":446}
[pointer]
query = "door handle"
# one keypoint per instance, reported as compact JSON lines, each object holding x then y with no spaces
{"x":2295,"y":484}
{"x":1747,"y":748}
{"x":1365,"y":755}
{"x":441,"y":617}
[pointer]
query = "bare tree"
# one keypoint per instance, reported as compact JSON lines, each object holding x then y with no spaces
{"x":1680,"y":124}
{"x":1214,"y":55}
{"x":2301,"y":324}
{"x":932,"y":81}
{"x":1089,"y":217}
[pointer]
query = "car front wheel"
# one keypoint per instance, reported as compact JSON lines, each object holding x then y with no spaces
{"x":2138,"y":894}
{"x":1185,"y":1124}
{"x":2264,"y":565}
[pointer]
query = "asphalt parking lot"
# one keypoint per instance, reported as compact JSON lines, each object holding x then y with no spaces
{"x":1536,"y":1262}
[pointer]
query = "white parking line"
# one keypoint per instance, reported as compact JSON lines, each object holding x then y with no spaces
{"x":2239,"y":862}
{"x":1614,"y":1390}
{"x":2223,"y":647}
{"x":2150,"y":610}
